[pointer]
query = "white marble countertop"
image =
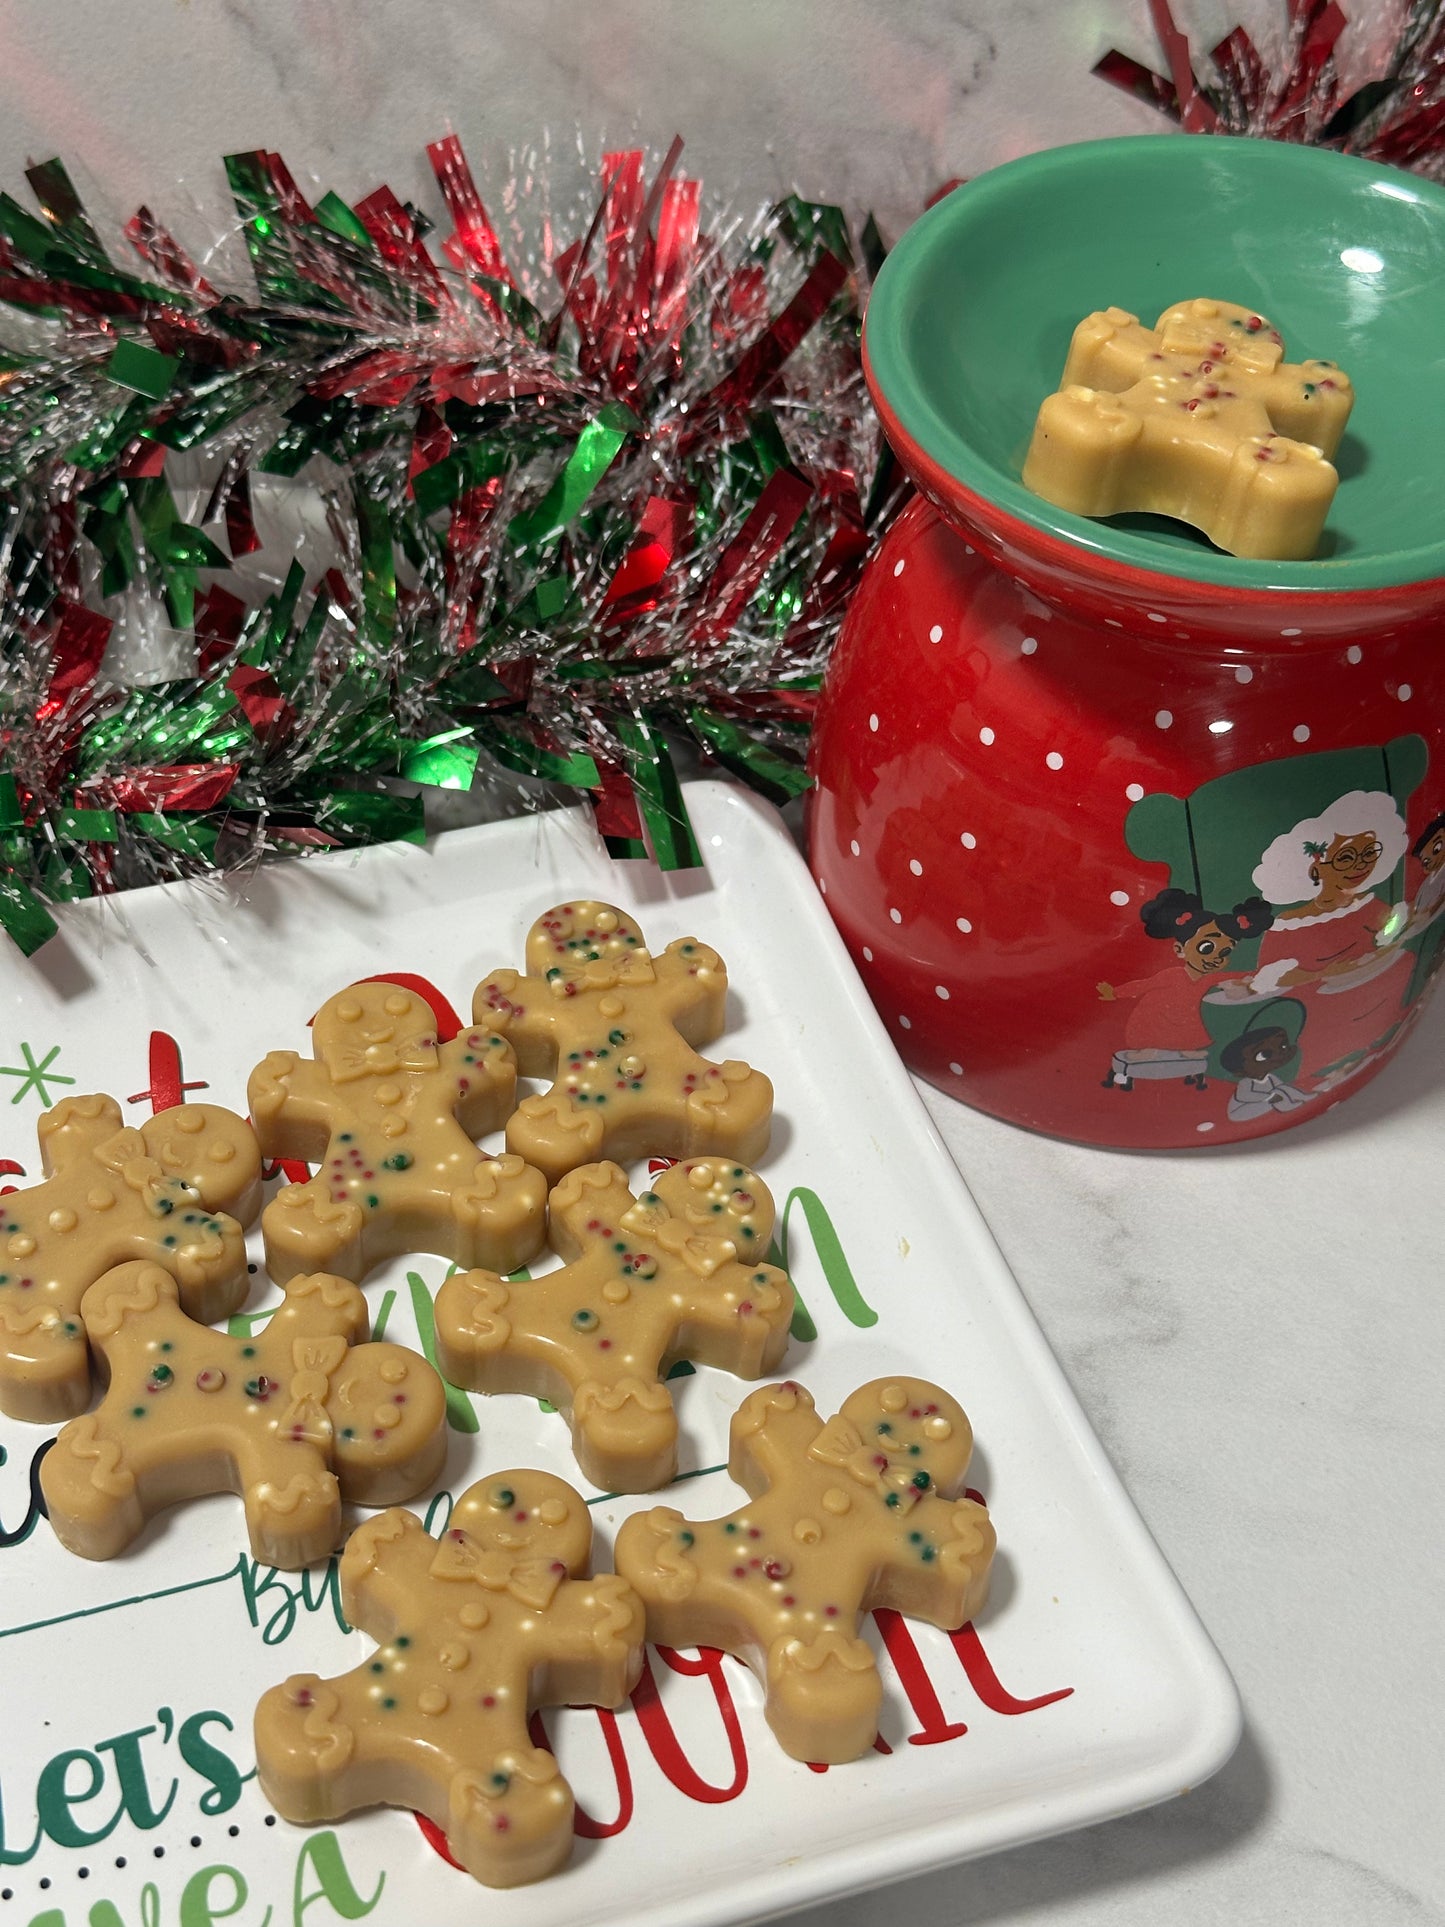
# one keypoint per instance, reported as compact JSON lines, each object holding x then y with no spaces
{"x":1258,"y":1334}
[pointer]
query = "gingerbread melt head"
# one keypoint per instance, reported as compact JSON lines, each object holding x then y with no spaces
{"x":526,"y":1516}
{"x":213,"y":1151}
{"x":726,"y":1212}
{"x":585,"y":945}
{"x":375,"y":1030}
{"x":915,"y":1433}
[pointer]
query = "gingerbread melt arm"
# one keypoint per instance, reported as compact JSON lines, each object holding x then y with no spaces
{"x":475,"y":1631}
{"x":162,"y":1191}
{"x":520,"y":1009}
{"x":647,"y":1281}
{"x":483,"y":1065}
{"x":693,"y":989}
{"x":844,"y":1517}
{"x":289,"y":1098}
{"x":294,"y":1418}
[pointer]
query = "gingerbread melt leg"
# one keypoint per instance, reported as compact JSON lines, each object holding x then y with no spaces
{"x":554,"y":1133}
{"x":822,"y":1697}
{"x":624,"y":1432}
{"x":307,"y":1230}
{"x":44,"y":1364}
{"x":91,"y":1492}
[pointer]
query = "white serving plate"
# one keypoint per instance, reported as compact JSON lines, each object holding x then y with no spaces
{"x":1089,"y":1690}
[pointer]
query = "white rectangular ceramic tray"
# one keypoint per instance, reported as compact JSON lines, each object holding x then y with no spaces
{"x":1087,"y":1689}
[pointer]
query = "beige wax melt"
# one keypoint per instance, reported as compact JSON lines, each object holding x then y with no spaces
{"x":844,"y":1517}
{"x":160,"y":1189}
{"x":618,"y":1030}
{"x":296,"y":1418}
{"x":676,"y":1273}
{"x":1201,"y":419}
{"x":477,"y":1629}
{"x":390,"y":1115}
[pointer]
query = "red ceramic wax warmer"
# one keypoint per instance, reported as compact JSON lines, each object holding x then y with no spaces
{"x":1136,"y":842}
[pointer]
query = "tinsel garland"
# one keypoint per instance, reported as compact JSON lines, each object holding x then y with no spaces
{"x":587,"y":488}
{"x":581,"y":489}
{"x":1396,"y":115}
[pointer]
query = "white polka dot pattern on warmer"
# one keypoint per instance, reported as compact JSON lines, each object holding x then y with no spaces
{"x":1054,"y":760}
{"x":915,"y":866}
{"x":899,"y":566}
{"x":1121,"y":897}
{"x":823,"y":885}
{"x":985,"y":736}
{"x":895,"y":916}
{"x":1028,"y":645}
{"x":968,"y":840}
{"x":1301,"y":732}
{"x":1354,"y":653}
{"x":957,"y":1069}
{"x":873,"y":724}
{"x":905,"y":1023}
{"x":1154,"y":617}
{"x":941,"y":990}
{"x":1204,"y":1127}
{"x":963,"y":924}
{"x":1404,"y":692}
{"x":1289,"y":632}
{"x":1163,"y":718}
{"x":1243,"y":673}
{"x":867,"y":954}
{"x":1134,"y":791}
{"x":935,"y":634}
{"x":856,"y":847}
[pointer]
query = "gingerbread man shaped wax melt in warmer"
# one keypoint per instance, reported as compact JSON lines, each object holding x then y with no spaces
{"x":297,"y":1418}
{"x":495,"y":1619}
{"x":161,"y":1190}
{"x":676,"y":1273}
{"x":844,"y":1517}
{"x":1201,"y":419}
{"x":390,"y":1115}
{"x":618,"y":1030}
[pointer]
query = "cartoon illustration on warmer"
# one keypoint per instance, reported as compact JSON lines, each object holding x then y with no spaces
{"x":1337,"y":942}
{"x":1165,"y":1035}
{"x":1258,"y":1057}
{"x":1333,"y":936}
{"x":1426,"y":929}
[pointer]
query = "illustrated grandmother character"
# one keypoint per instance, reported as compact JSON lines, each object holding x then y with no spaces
{"x":1333,"y":942}
{"x":1164,"y":1034}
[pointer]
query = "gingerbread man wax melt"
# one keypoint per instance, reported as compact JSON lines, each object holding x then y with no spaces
{"x":846,"y":1516}
{"x":676,"y":1273}
{"x":390,"y":1115}
{"x":296,"y":1418}
{"x":177,"y":1188}
{"x":476,"y":1630}
{"x":1201,"y":419}
{"x":618,"y":1031}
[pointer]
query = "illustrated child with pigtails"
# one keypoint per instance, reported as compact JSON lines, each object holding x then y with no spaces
{"x":1164,"y":1034}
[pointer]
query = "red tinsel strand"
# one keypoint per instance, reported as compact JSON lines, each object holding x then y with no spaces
{"x":1396,"y":115}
